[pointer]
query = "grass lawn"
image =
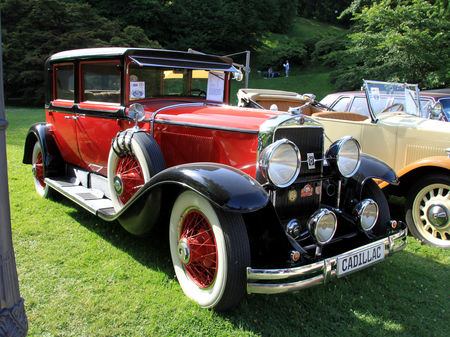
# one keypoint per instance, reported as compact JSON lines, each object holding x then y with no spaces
{"x":81,"y":276}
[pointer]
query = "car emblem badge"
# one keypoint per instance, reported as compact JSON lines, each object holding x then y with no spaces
{"x":292,"y":195}
{"x":307,"y":191}
{"x":311,"y":161}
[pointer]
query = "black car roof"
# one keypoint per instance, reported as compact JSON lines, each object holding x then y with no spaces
{"x":154,"y":57}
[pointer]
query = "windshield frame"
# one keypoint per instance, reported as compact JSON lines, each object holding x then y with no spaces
{"x":380,"y":95}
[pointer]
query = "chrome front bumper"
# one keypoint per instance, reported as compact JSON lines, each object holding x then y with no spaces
{"x":262,"y":280}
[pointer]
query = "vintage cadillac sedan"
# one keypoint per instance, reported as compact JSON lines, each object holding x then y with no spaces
{"x":396,"y":130}
{"x":251,"y":200}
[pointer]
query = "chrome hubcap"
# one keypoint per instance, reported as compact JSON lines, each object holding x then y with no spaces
{"x":431,"y":215}
{"x":118,"y":185}
{"x":437,"y":215}
{"x":34,"y":171}
{"x":183,"y":251}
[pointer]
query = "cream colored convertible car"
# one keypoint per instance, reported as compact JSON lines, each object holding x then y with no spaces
{"x":417,"y":148}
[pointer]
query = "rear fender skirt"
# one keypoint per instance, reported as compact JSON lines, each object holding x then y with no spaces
{"x":53,"y":162}
{"x":224,"y":186}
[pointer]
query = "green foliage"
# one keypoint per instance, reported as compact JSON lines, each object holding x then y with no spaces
{"x":297,"y":44}
{"x":405,"y":40}
{"x":324,"y":11}
{"x":34,"y":29}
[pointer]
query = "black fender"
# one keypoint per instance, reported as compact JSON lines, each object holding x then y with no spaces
{"x":53,"y":162}
{"x":372,"y":168}
{"x":226,"y":187}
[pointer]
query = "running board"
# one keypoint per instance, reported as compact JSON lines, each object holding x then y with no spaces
{"x":92,"y":200}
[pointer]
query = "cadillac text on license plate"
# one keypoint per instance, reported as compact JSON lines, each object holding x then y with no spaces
{"x":359,"y":259}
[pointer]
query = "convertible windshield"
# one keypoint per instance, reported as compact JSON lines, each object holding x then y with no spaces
{"x":386,"y":97}
{"x":152,"y":82}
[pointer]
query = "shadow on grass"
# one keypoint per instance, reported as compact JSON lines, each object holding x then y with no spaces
{"x":151,"y":251}
{"x":403,"y":296}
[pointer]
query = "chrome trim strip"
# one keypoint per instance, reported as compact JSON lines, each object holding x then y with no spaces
{"x":203,"y":126}
{"x":327,"y":269}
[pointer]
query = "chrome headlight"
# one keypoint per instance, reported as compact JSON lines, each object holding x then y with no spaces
{"x":280,"y":163}
{"x":367,"y":212}
{"x":345,"y":153}
{"x":322,"y":225}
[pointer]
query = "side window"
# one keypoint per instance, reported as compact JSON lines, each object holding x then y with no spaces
{"x":100,"y":82}
{"x":64,"y":82}
{"x":341,"y":104}
{"x":359,"y":105}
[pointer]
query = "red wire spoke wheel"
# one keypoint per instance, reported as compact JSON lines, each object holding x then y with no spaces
{"x":38,"y":171}
{"x":210,"y":251}
{"x":198,"y":249}
{"x":129,"y":177}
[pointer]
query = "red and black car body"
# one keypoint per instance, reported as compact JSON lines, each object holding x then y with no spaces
{"x":251,"y":199}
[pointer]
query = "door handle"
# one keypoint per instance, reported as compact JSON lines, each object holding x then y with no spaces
{"x":71,"y":117}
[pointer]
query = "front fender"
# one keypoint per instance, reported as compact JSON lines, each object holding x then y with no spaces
{"x":371,"y":168}
{"x":374,"y":168}
{"x":224,"y":186}
{"x":53,"y":162}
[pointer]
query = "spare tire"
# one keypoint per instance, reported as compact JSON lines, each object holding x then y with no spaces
{"x":133,"y":159}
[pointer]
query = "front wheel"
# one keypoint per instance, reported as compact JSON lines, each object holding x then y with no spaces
{"x":210,"y":252}
{"x":428,"y":210}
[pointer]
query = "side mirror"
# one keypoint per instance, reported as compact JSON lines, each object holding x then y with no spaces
{"x":136,"y":112}
{"x":436,"y":111}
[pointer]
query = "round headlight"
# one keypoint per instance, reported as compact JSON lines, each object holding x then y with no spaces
{"x":322,"y":225}
{"x":367,"y":212}
{"x":280,"y":163}
{"x":346,"y":154}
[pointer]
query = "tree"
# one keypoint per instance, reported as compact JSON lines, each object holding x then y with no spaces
{"x":404,"y":40}
{"x":32,"y":30}
{"x":214,"y":26}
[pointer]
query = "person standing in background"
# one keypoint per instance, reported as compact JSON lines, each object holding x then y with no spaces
{"x":286,"y":67}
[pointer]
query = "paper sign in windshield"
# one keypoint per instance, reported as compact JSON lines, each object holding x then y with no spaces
{"x":137,"y":90}
{"x":215,"y":86}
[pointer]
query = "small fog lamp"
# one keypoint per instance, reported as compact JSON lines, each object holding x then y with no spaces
{"x":367,"y":212}
{"x":322,"y":225}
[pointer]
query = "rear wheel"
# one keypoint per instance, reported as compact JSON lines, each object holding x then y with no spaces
{"x":38,"y":171}
{"x":210,"y":252}
{"x":428,"y":210}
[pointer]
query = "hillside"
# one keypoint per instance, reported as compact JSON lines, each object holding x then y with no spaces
{"x":304,"y":77}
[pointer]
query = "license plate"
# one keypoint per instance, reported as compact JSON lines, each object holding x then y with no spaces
{"x":359,"y":259}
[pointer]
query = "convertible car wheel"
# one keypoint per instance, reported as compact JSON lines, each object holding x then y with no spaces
{"x":210,"y":252}
{"x":133,"y":159}
{"x":38,"y":171}
{"x":428,"y":210}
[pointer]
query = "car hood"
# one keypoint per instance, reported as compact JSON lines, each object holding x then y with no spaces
{"x":209,"y":115}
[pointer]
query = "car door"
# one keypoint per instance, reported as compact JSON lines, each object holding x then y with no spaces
{"x":61,"y":112}
{"x":99,"y":109}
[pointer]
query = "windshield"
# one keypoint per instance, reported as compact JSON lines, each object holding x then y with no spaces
{"x":386,"y":97}
{"x":153,"y":82}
